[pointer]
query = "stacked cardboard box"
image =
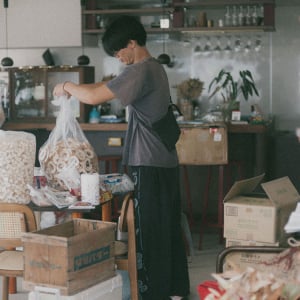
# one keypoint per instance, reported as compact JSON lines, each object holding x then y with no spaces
{"x":258,"y":219}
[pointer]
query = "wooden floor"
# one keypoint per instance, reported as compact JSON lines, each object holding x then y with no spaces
{"x":201,"y":263}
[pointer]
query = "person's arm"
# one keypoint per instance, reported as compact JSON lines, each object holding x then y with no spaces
{"x":94,"y":93}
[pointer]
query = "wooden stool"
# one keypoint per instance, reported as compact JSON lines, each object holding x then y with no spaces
{"x":222,"y":189}
{"x":111,"y":164}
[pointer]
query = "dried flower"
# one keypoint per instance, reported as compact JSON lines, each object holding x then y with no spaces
{"x":189,"y":89}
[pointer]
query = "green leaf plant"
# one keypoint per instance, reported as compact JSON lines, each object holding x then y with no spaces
{"x":231,"y":89}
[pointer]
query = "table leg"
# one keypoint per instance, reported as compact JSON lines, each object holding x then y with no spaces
{"x":12,"y":285}
{"x":106,"y":211}
{"x":76,"y":215}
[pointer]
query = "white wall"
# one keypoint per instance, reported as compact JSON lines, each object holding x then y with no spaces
{"x":279,"y":56}
{"x":286,"y":67}
{"x":40,"y":23}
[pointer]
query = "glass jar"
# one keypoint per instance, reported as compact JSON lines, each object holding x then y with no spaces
{"x":186,"y":108}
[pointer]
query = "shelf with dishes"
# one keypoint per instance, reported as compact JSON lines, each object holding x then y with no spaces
{"x":193,"y":16}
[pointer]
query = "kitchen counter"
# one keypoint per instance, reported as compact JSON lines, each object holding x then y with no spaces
{"x":239,"y":135}
{"x":232,"y":128}
{"x":50,"y":126}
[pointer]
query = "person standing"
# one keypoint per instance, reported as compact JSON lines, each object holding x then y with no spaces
{"x":144,"y":88}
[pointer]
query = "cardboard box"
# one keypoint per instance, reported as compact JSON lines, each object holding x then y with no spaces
{"x":110,"y":289}
{"x":70,"y":257}
{"x":203,"y":146}
{"x":259,"y":217}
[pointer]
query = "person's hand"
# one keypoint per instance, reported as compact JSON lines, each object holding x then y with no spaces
{"x":59,"y":90}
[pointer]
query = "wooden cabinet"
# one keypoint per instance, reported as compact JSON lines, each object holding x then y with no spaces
{"x":183,"y":15}
{"x":31,"y":92}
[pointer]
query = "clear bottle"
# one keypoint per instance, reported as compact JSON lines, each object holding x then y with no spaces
{"x":261,"y":15}
{"x":196,"y":113}
{"x":248,"y":16}
{"x":241,"y":16}
{"x":227,"y":17}
{"x":254,"y":16}
{"x":234,"y":16}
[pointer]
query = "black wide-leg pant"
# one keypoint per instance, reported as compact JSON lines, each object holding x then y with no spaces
{"x":161,"y":256}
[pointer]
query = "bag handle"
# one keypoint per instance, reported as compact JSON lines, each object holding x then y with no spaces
{"x":173,"y":105}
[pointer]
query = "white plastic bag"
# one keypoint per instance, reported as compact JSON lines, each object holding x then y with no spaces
{"x":66,"y":145}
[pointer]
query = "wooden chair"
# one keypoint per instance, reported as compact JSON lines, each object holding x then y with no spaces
{"x":14,"y":220}
{"x":110,"y":164}
{"x":126,"y":251}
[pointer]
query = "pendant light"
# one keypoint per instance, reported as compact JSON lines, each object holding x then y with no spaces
{"x":83,"y":59}
{"x":164,"y":58}
{"x":6,"y":61}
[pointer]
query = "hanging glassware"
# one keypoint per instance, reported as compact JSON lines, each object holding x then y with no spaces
{"x":228,"y":45}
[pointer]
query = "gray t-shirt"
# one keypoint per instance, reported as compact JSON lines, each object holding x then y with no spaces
{"x":144,"y":88}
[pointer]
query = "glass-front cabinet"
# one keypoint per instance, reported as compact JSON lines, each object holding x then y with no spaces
{"x":31,"y":90}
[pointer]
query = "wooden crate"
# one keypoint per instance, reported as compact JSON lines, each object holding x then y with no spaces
{"x":203,"y":146}
{"x":71,"y":256}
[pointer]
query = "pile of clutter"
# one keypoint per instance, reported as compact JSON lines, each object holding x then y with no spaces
{"x":275,"y":279}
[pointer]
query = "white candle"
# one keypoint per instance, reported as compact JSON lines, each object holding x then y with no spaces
{"x":90,"y":188}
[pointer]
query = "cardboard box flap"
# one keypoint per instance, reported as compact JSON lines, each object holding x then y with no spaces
{"x":245,"y":186}
{"x":281,"y":191}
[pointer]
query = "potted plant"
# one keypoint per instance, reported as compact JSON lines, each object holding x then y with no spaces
{"x":188,"y":92}
{"x":231,"y":90}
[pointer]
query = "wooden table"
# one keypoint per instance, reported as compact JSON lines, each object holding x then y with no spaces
{"x":77,"y":213}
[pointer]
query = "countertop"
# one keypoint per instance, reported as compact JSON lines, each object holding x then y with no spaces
{"x":233,"y":128}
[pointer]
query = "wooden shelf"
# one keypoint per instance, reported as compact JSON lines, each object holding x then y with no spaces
{"x":222,"y":3}
{"x":196,"y":30}
{"x":171,"y":8}
{"x":50,"y":126}
{"x":127,"y":11}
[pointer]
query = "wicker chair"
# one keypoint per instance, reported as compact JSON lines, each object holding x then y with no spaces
{"x":14,"y":220}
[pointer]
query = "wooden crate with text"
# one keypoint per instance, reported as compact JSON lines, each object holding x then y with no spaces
{"x":70,"y":257}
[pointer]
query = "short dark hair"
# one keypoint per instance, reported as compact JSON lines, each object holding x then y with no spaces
{"x":120,"y":31}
